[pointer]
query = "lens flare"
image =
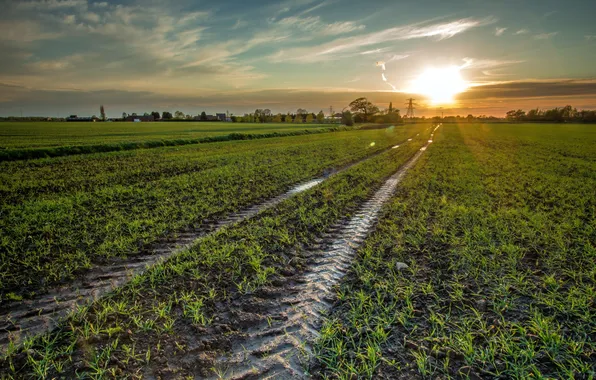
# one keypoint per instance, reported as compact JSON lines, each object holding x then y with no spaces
{"x":440,"y":85}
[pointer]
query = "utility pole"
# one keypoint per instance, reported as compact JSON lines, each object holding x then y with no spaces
{"x":410,"y":104}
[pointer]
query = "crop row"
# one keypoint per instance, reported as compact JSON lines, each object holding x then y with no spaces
{"x":162,"y":313}
{"x":481,"y":267}
{"x":67,"y":150}
{"x":61,"y":215}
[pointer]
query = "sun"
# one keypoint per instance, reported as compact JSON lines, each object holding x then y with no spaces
{"x":440,"y":85}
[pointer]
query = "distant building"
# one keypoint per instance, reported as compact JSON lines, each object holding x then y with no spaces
{"x":221,"y":116}
{"x":212,"y":118}
{"x":82,"y":118}
{"x":139,"y":118}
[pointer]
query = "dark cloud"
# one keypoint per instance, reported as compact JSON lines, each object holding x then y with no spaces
{"x":491,"y":99}
{"x":531,"y":89}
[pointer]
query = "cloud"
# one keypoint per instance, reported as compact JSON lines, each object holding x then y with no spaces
{"x":314,"y":8}
{"x":24,"y":31}
{"x":50,"y":4}
{"x":545,"y":36}
{"x":338,"y":48}
{"x":280,"y":99}
{"x":590,"y":37}
{"x":499,"y":31}
{"x":341,"y":28}
{"x":521,"y":31}
{"x":472,"y":63}
{"x":532,"y":89}
{"x":92,"y":17}
{"x":313,"y":24}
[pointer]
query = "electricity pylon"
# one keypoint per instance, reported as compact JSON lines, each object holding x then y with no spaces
{"x":410,"y":111}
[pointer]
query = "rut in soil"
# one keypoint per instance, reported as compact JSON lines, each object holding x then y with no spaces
{"x":284,"y":319}
{"x":21,"y":320}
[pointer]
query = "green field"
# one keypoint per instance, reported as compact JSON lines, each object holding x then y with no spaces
{"x":497,"y":225}
{"x":61,"y":214}
{"x":15,"y":135}
{"x":482,"y":264}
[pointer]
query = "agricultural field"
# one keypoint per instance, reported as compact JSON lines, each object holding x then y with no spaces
{"x":53,"y":134}
{"x":443,"y":251}
{"x":482,"y":266}
{"x":22,"y":140}
{"x":60,"y":215}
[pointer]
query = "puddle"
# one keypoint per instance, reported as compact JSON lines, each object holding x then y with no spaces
{"x":284,"y":320}
{"x":20,"y":320}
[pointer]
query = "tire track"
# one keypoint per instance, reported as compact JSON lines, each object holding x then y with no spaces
{"x":27,"y":318}
{"x":283,"y":320}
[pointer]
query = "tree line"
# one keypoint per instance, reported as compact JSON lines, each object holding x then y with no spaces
{"x":555,"y":115}
{"x":361,"y":110}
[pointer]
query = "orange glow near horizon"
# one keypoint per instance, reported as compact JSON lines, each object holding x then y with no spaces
{"x":440,"y":85}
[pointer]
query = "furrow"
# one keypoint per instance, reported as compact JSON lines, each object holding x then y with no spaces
{"x":45,"y":311}
{"x":277,"y":344}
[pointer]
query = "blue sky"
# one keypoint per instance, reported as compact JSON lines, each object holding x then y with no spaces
{"x":70,"y":56}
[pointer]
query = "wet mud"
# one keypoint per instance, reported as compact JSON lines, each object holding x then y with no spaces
{"x":23,"y":319}
{"x":270,"y":332}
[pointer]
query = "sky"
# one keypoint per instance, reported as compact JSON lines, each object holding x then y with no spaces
{"x":62,"y":57}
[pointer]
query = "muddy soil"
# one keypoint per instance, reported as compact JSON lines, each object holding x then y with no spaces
{"x":20,"y":320}
{"x":268,"y":334}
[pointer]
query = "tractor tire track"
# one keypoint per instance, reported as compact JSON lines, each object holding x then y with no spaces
{"x":31,"y":317}
{"x":282,"y":321}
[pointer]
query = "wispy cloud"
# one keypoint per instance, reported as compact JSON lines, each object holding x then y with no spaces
{"x":590,"y":37}
{"x":50,"y":4}
{"x":499,"y":31}
{"x":545,"y":36}
{"x":315,"y":25}
{"x":488,"y":63}
{"x":521,"y":31}
{"x":348,"y":45}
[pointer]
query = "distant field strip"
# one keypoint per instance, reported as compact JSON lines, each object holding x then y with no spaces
{"x":46,"y":152}
{"x":23,"y":135}
{"x":62,"y":215}
{"x":482,"y":265}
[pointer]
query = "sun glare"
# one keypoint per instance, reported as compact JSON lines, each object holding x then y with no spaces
{"x":440,"y":85}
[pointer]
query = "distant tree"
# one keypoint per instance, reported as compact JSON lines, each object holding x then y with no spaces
{"x":266,"y":115}
{"x":320,"y":117}
{"x":470,"y":118}
{"x":516,"y":115}
{"x":309,"y":118}
{"x":145,"y":114}
{"x":124,"y":115}
{"x":165,"y":115}
{"x":363,"y":108}
{"x":155,"y":115}
{"x":390,"y":107}
{"x":178,"y":115}
{"x":189,"y":117}
{"x":102,"y":112}
{"x":288,"y":118}
{"x":346,"y":118}
{"x":277,"y":118}
{"x":203,"y":116}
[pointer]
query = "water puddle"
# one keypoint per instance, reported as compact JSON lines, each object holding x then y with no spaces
{"x":285,"y":319}
{"x":20,"y":320}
